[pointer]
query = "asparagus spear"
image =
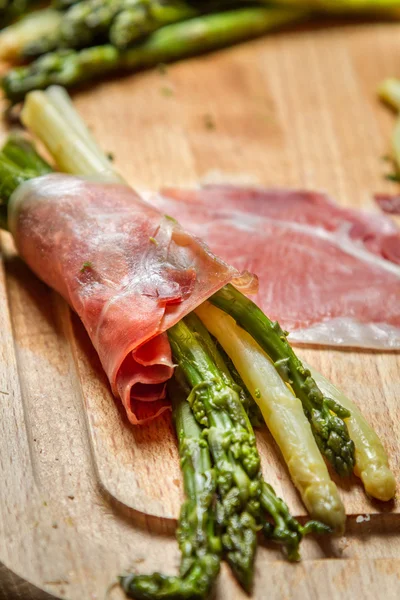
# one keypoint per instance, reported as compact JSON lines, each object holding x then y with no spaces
{"x":19,"y":150}
{"x":121,"y":22}
{"x":325,"y":414}
{"x":172,"y":42}
{"x":198,"y":541}
{"x":389,"y":92}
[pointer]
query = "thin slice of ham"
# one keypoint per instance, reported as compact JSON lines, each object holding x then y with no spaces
{"x":329,"y":275}
{"x":127,"y":269}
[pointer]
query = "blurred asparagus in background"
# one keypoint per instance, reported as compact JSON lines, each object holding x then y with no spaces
{"x":384,"y":7}
{"x":389,"y":92}
{"x":170,"y":43}
{"x":32,"y":28}
{"x":121,"y":22}
{"x":78,"y":41}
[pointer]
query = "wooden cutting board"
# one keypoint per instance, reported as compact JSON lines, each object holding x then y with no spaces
{"x":84,"y":495}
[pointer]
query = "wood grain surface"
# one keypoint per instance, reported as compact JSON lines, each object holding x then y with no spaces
{"x":293,"y":109}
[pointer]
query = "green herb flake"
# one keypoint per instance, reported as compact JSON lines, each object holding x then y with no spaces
{"x":209,"y":122}
{"x":167,"y":91}
{"x":257,"y":393}
{"x":86,"y":265}
{"x":170,"y":218}
{"x":110,"y":156}
{"x":387,"y":158}
{"x":153,"y":241}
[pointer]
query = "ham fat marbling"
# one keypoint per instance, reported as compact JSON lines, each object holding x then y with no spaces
{"x":329,"y":275}
{"x":128,"y":270}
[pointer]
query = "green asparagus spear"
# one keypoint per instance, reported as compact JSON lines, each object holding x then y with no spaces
{"x":121,"y":22}
{"x":325,"y":415}
{"x":198,"y":541}
{"x":19,"y":162}
{"x":19,"y":150}
{"x":172,"y":42}
{"x":227,"y":370}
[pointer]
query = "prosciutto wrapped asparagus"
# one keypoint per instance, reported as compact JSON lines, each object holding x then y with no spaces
{"x":134,"y":275}
{"x":129,"y":272}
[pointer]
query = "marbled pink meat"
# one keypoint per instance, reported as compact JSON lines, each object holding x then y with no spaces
{"x":327,"y":273}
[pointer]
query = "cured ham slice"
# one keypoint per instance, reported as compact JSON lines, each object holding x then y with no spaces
{"x":329,"y":275}
{"x":129,"y":271}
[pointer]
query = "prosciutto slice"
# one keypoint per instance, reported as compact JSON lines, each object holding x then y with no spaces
{"x":127,"y":269}
{"x":329,"y":275}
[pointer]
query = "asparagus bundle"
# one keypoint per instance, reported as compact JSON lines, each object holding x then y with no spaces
{"x":172,"y":42}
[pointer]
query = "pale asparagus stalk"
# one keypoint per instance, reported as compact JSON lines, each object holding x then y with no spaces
{"x":62,"y":102}
{"x":372,"y":464}
{"x":34,"y":25}
{"x":283,"y":414}
{"x":389,"y":92}
{"x":62,"y":132}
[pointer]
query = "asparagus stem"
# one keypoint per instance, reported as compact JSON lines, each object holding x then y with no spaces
{"x":53,"y":119}
{"x":19,"y":162}
{"x":389,"y":92}
{"x":172,"y":42}
{"x":11,"y":176}
{"x":199,"y":544}
{"x":329,"y":429}
{"x":251,"y":407}
{"x":372,"y":464}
